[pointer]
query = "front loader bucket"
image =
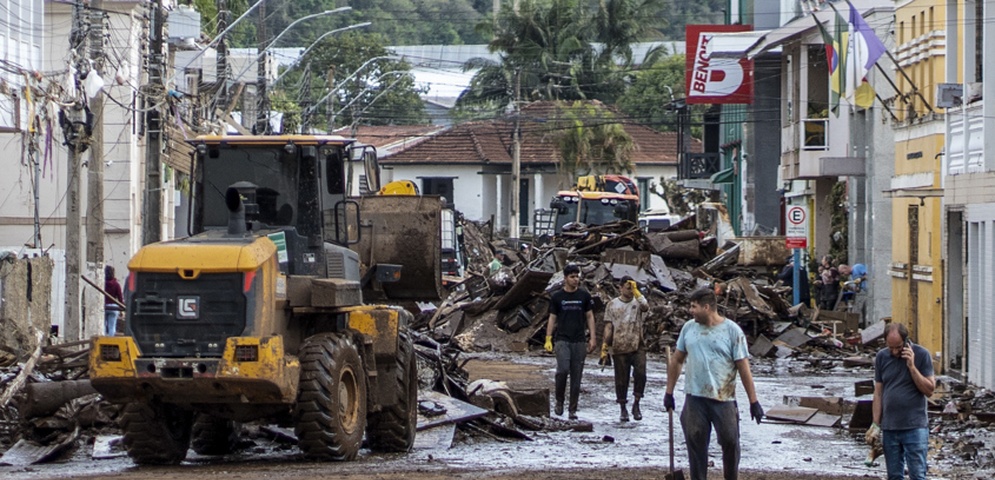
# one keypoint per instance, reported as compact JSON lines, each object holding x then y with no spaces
{"x":403,"y":230}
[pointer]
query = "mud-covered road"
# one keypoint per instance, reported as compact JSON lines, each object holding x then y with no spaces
{"x":770,"y":451}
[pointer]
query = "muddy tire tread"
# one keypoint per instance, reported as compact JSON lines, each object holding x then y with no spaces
{"x":393,"y":428}
{"x":149,"y":440}
{"x":316,"y":423}
{"x":213,"y":435}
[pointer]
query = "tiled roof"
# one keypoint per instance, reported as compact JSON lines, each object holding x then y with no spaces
{"x":490,"y":142}
{"x":391,"y":137}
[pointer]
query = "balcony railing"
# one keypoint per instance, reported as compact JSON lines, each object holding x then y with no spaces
{"x":699,"y":166}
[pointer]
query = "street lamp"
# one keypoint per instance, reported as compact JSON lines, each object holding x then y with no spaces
{"x":262,"y":116}
{"x":314,"y":44}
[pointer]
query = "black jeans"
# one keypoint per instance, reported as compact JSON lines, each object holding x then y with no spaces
{"x":569,"y":362}
{"x":698,"y":417}
{"x":633,"y":363}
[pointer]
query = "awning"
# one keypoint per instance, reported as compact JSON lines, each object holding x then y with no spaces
{"x":796,"y":28}
{"x":733,"y":44}
{"x":724,"y":176}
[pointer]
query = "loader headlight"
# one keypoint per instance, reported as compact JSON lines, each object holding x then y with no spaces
{"x":110,"y":353}
{"x":247,"y":353}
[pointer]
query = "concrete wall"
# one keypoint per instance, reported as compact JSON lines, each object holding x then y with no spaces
{"x":25,"y":303}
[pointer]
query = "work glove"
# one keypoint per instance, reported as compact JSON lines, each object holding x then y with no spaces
{"x":549,"y":344}
{"x":756,"y":412}
{"x":635,"y":289}
{"x":604,"y":352}
{"x":668,"y":402}
{"x":873,"y":434}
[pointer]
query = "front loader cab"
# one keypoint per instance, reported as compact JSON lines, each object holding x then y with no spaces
{"x":294,"y":190}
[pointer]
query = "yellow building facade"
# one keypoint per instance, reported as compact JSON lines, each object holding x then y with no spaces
{"x":916,"y":268}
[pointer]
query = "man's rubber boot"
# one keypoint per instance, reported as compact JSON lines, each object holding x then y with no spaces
{"x":624,"y":416}
{"x":637,"y":415}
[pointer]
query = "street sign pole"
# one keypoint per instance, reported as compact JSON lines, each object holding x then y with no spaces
{"x":796,"y":238}
{"x":796,"y":288}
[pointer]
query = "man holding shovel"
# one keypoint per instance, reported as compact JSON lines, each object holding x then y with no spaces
{"x":714,"y":349}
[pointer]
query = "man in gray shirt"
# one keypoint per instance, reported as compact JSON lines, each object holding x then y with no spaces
{"x":903,"y":378}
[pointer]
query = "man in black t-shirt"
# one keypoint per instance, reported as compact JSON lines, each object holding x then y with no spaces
{"x":570,"y":311}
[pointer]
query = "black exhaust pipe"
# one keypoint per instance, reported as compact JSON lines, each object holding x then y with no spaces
{"x":236,"y":211}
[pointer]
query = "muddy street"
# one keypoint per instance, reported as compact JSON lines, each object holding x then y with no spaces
{"x":612,"y":450}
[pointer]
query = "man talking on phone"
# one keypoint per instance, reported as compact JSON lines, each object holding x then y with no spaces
{"x":903,"y":379}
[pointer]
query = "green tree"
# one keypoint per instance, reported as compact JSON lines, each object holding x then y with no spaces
{"x":592,"y":141}
{"x":556,"y":50}
{"x":648,"y":98}
{"x":363,"y":88}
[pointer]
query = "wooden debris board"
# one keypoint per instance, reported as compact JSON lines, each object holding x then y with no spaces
{"x":436,"y":438}
{"x":872,"y":332}
{"x":794,"y":337}
{"x":108,"y":446}
{"x":761,"y":347}
{"x":791,"y":414}
{"x":822,"y":419}
{"x":531,"y":283}
{"x":456,"y":410}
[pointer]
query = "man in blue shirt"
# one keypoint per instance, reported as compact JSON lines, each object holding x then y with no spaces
{"x":714,"y":348}
{"x":903,"y":378}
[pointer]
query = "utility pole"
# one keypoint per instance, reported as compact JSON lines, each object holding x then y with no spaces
{"x":73,"y":120}
{"x":95,"y":175}
{"x":516,"y":159}
{"x":222,"y":70}
{"x":155,"y":92}
{"x":304,"y":99}
{"x":262,"y":102}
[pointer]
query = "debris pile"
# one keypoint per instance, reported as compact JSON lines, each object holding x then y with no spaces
{"x":505,"y":308}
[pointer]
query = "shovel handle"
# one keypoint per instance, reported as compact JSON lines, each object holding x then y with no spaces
{"x":670,"y":414}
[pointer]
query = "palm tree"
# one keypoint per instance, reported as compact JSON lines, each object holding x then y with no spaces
{"x":592,"y":142}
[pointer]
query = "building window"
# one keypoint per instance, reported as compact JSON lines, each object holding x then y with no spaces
{"x":442,"y":186}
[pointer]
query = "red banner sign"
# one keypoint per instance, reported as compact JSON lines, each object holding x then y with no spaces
{"x":723,"y":79}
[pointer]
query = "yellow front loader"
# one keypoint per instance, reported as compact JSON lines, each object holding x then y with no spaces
{"x":259,"y":313}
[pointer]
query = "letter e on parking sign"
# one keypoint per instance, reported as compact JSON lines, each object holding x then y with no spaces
{"x":796,"y":226}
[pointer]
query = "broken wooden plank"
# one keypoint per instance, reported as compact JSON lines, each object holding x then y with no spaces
{"x":790,"y":413}
{"x":822,"y":419}
{"x":762,"y":347}
{"x":863,"y":387}
{"x":850,"y":362}
{"x":530,"y":284}
{"x":794,"y":337}
{"x":872,"y":332}
{"x":436,"y":438}
{"x":455,"y":410}
{"x":108,"y":446}
{"x":663,"y":273}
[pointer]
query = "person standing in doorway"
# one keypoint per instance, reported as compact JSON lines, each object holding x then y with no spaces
{"x":112,"y":311}
{"x":903,"y":379}
{"x":624,"y":335}
{"x":571,"y":319}
{"x":714,"y":349}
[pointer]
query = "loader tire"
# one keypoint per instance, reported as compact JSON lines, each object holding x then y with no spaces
{"x":393,"y":428}
{"x":330,"y":415}
{"x":155,"y":433}
{"x":214,"y":435}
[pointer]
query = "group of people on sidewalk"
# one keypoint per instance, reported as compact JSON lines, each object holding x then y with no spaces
{"x":712,"y":352}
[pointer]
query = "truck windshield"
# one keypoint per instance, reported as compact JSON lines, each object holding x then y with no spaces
{"x":592,"y":212}
{"x":272,"y":170}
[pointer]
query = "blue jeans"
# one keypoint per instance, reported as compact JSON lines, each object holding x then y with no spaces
{"x":698,"y":417}
{"x":569,"y":362}
{"x":110,"y":322}
{"x":903,"y":447}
